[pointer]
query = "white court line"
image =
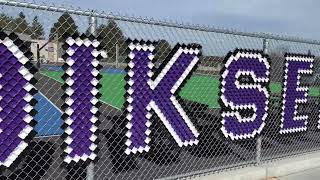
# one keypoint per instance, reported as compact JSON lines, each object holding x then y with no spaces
{"x":49,"y":101}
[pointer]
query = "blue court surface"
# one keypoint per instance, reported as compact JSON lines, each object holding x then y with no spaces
{"x":48,"y":118}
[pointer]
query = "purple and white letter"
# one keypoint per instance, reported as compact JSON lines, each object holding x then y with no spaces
{"x":244,"y":94}
{"x":293,"y":94}
{"x":81,"y":99}
{"x":145,"y":94}
{"x":16,"y":99}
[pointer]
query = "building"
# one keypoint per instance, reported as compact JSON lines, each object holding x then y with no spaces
{"x":51,"y":52}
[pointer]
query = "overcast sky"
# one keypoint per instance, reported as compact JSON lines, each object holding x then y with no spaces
{"x":289,"y":17}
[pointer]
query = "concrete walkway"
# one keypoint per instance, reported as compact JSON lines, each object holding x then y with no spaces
{"x":303,"y":167}
{"x":311,"y":174}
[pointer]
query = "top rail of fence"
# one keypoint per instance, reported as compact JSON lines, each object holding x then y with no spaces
{"x":156,"y":22}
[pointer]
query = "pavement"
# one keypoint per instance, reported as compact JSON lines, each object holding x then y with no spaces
{"x":311,"y":174}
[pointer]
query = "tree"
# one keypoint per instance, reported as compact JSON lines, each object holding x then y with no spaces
{"x":279,"y":50}
{"x":21,"y":24}
{"x":36,"y":29}
{"x":65,"y":24}
{"x":277,"y":61}
{"x":316,"y":73}
{"x":163,"y":49}
{"x":112,"y":36}
{"x":6,"y":22}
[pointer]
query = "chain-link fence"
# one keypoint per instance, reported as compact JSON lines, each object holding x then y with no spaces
{"x":41,"y":28}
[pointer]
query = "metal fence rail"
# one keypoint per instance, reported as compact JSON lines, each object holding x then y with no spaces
{"x":41,"y":27}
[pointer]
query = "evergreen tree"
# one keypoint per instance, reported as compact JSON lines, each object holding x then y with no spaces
{"x":65,"y":24}
{"x":21,"y":24}
{"x":6,"y":22}
{"x":36,"y":29}
{"x":163,"y":49}
{"x":112,"y":36}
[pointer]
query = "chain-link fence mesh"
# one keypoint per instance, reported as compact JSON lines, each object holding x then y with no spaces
{"x":41,"y":28}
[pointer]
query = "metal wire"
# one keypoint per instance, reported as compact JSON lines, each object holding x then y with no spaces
{"x":165,"y":160}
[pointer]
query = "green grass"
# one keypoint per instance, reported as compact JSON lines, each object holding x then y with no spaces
{"x":113,"y":89}
{"x":275,"y":88}
{"x":201,"y":89}
{"x":54,"y":75}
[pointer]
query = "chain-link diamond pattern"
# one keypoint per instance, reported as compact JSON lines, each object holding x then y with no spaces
{"x":41,"y":29}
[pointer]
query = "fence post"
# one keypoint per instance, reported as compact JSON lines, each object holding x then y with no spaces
{"x":117,"y":55}
{"x":259,"y":139}
{"x":93,"y":25}
{"x":265,"y":46}
{"x":38,"y":57}
{"x":92,"y":29}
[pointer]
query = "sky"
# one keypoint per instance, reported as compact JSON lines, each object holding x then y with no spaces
{"x":280,"y":17}
{"x":285,"y":17}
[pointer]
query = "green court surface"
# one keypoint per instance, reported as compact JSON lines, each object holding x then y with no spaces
{"x":199,"y":88}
